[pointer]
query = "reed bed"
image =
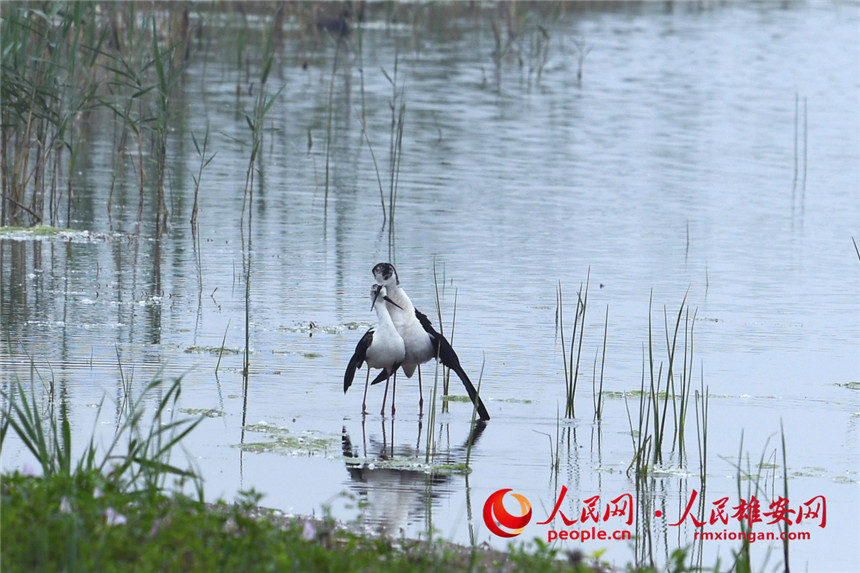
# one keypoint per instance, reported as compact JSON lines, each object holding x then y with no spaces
{"x":68,"y":61}
{"x":659,"y":427}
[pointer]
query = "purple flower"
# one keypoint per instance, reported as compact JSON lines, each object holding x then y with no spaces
{"x":309,"y":532}
{"x":113,"y":517}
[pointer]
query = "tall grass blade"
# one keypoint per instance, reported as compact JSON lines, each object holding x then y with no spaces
{"x":785,"y":524}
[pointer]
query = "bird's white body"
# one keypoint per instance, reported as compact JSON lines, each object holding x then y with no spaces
{"x":387,"y":348}
{"x":419,"y":346}
{"x":380,"y":347}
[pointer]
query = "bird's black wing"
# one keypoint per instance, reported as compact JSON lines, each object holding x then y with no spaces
{"x":357,"y":359}
{"x":449,"y":358}
{"x":381,"y":377}
{"x":385,"y":374}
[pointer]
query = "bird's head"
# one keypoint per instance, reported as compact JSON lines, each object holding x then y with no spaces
{"x":385,"y":274}
{"x":377,"y":292}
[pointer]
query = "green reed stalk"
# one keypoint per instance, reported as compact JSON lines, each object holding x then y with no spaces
{"x":445,"y":371}
{"x":652,"y":395}
{"x":702,"y":400}
{"x":670,"y":350}
{"x":570,"y":410}
{"x":572,"y":361}
{"x":378,"y":176}
{"x":328,"y":147}
{"x":221,"y":350}
{"x":204,"y":162}
{"x":742,"y":558}
{"x":643,"y":439}
{"x":166,"y":77}
{"x":398,"y":116}
{"x":359,"y":32}
{"x":446,"y":376}
{"x":582,"y":304}
{"x":686,"y":383}
{"x":785,"y":524}
{"x":598,"y":394}
{"x":447,"y":380}
{"x":430,"y":447}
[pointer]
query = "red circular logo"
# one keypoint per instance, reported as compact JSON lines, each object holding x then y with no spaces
{"x":496,"y":516}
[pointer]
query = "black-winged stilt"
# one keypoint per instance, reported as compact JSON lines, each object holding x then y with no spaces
{"x":380,"y":347}
{"x":421,"y":339}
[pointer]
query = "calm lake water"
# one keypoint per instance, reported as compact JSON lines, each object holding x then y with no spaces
{"x":707,"y":150}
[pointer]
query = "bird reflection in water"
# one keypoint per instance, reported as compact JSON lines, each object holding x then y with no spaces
{"x":392,"y":482}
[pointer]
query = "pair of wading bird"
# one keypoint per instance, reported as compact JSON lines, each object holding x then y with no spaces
{"x":402,"y":338}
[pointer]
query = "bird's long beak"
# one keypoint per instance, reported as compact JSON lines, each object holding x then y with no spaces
{"x":375,"y":296}
{"x":392,"y":302}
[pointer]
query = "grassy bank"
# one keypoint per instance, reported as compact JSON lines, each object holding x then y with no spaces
{"x":81,"y":523}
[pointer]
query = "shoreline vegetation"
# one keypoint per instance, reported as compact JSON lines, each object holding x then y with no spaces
{"x":89,"y":529}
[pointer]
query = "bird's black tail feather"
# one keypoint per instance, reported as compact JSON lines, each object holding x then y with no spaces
{"x":449,"y":358}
